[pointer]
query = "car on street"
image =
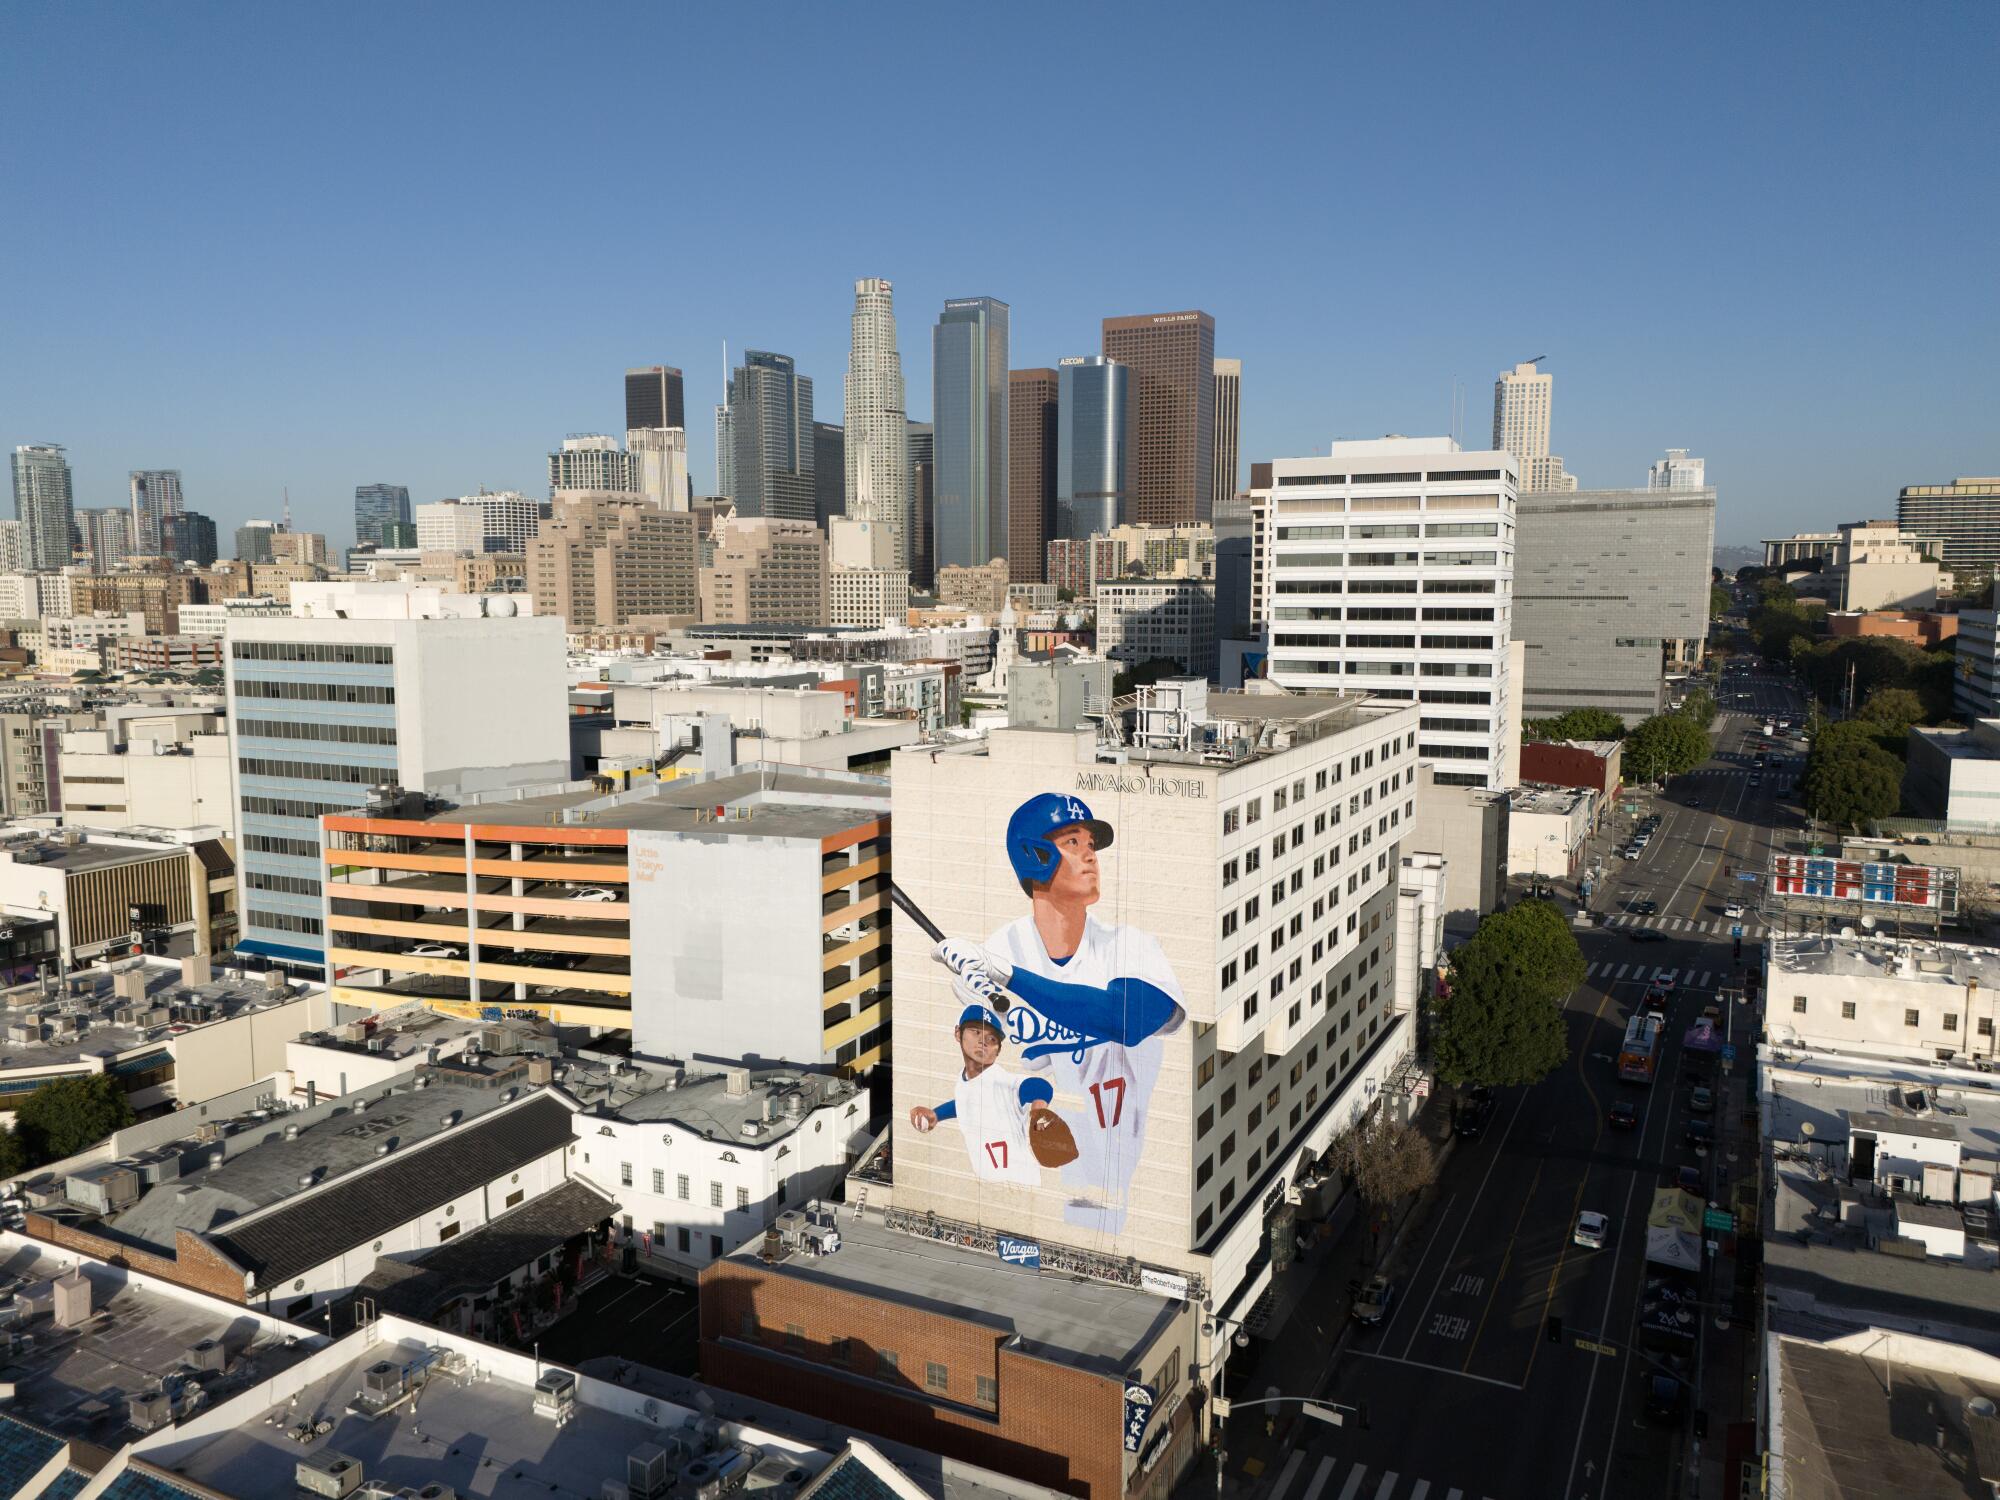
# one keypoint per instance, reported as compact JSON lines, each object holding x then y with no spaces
{"x":1592,"y":1229}
{"x":1694,"y":802}
{"x":1473,"y":1115}
{"x":1699,"y":1134}
{"x":1624,"y":1115}
{"x":1643,"y":908}
{"x":1373,"y":1301}
{"x":1701,"y":1100}
{"x":1688,"y":1180}
{"x":1630,"y":851}
{"x":1646,"y":935}
{"x":1733,"y":909}
{"x":1666,"y":1398}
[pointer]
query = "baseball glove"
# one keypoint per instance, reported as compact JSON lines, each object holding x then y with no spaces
{"x":1050,"y":1139}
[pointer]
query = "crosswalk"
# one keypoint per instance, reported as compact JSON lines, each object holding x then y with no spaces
{"x":1359,"y":1483}
{"x":1691,"y":926}
{"x":1611,"y":973}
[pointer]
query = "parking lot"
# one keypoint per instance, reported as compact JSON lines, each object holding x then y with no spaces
{"x":638,"y":1318}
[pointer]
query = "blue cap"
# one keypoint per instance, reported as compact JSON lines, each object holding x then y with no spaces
{"x":984,"y":1015}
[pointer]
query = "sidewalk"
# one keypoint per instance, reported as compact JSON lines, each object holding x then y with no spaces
{"x":1296,"y":1357}
{"x":1727,"y":1391}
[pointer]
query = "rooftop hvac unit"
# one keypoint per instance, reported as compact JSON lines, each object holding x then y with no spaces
{"x":207,"y":1354}
{"x":432,"y":1491}
{"x":648,"y":1472}
{"x":330,"y":1474}
{"x":148,"y":1410}
{"x":383,"y":1379}
{"x":555,"y":1395}
{"x":775,"y":1471}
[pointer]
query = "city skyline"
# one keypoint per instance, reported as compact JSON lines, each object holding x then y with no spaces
{"x":435,"y":369}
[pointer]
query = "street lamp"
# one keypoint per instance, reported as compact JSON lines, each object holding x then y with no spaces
{"x":1213,"y":1329}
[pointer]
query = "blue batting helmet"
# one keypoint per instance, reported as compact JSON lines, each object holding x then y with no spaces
{"x":1034,"y":825}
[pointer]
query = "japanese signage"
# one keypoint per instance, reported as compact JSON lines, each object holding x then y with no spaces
{"x":1138,"y":1412}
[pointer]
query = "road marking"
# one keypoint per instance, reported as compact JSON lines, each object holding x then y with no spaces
{"x":1444,"y":1217}
{"x":1388,"y":1484}
{"x":1622,"y":969}
{"x":1469,"y":1284}
{"x":1470,"y":1213}
{"x":1326,"y":1468}
{"x":1450,"y":1327}
{"x":1420,"y":1364}
{"x":1454,"y":1495}
{"x":1353,"y":1482}
{"x":1285,"y":1479}
{"x":1423,"y":1488}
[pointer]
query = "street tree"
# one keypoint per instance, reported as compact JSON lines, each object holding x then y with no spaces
{"x":1575,"y":724}
{"x":1720,"y":600}
{"x":1699,"y":706}
{"x":1500,"y":1017}
{"x":1385,"y":1159}
{"x":1664,"y":745}
{"x":1895,"y":711}
{"x":1849,"y":779}
{"x":62,"y":1117}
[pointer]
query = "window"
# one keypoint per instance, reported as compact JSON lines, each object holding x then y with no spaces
{"x":1204,"y":1122}
{"x":1229,"y":872}
{"x":795,"y":1337}
{"x":1798,"y":1005}
{"x":1847,"y":1010}
{"x":624,"y":1174}
{"x":1911,"y":1018}
{"x":1205,"y":1073}
{"x":515,"y":1198}
{"x":1228,"y":923}
{"x":885,"y":1363}
{"x":742,"y":1199}
{"x":715,"y":1195}
{"x":1986,"y":1026}
{"x":683,"y":1241}
{"x":1253,"y":810}
{"x":1232,"y":819}
{"x":681,"y":1187}
{"x":659,"y":1182}
{"x":449,"y":1232}
{"x":1205,"y":1171}
{"x":1228,"y":1148}
{"x":841,"y":1351}
{"x":747,"y":1325}
{"x":1951,"y":1020}
{"x":986,"y":1390}
{"x":936,"y":1378}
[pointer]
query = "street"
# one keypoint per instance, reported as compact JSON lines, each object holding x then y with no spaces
{"x":1467,"y":1391}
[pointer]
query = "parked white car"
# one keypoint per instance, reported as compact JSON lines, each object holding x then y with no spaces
{"x":593,"y":893}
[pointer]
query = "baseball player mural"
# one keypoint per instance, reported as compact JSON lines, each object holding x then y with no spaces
{"x":1087,"y":1004}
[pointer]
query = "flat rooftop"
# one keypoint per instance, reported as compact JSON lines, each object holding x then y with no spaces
{"x":79,"y":1020}
{"x":1947,"y":965}
{"x":88,"y":852}
{"x":1553,"y":800}
{"x":763,"y":801}
{"x":74,"y":1381}
{"x":264,"y":1165}
{"x":1851,"y":1429}
{"x":1091,"y":1325}
{"x":702,"y":1102}
{"x":405,"y":1033}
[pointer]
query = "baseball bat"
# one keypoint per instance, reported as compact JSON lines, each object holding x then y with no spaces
{"x":930,"y":929}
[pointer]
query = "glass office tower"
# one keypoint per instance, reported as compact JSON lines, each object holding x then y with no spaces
{"x":1093,"y":435}
{"x":969,"y":431}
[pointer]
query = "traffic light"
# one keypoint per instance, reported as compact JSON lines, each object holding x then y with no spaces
{"x":1362,"y":1412}
{"x":1555,"y":1330}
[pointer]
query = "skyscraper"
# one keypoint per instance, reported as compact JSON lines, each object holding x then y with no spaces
{"x":188,"y":536}
{"x":829,"y":472}
{"x":603,"y":560}
{"x":375,"y":506}
{"x":1093,"y":447}
{"x":155,"y":493}
{"x":1031,"y":472}
{"x":253,"y":541}
{"x":1171,"y":461}
{"x":660,"y":465}
{"x":1228,"y":422}
{"x":653,"y":398}
{"x":923,"y":504}
{"x":769,"y":430}
{"x":877,"y":456}
{"x":969,"y":420}
{"x":590,"y":461}
{"x":42,"y":503}
{"x":107,"y":536}
{"x":1523,"y":399}
{"x":1965,"y":515}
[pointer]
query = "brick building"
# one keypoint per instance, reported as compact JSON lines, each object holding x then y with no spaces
{"x":1926,"y":629}
{"x":1595,"y":764}
{"x":954,"y":1350}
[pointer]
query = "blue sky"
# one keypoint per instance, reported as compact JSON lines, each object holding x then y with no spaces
{"x":320,"y":246}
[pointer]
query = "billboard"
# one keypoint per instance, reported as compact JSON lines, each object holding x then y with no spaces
{"x":1872,"y":883}
{"x":1045,"y":1048}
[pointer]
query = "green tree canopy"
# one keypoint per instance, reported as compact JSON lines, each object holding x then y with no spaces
{"x":1720,"y":600}
{"x":1502,"y":1021}
{"x":62,"y":1117}
{"x":1849,"y":778}
{"x":13,"y":1157}
{"x":1575,"y":724}
{"x":1664,"y":745}
{"x":1699,"y":706}
{"x":1895,"y":710}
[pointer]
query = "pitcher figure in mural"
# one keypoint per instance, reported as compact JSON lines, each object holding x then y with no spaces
{"x":1093,"y":1002}
{"x":1010,"y":1131}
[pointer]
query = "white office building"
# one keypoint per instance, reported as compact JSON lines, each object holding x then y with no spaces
{"x":659,"y":465}
{"x":503,"y":522}
{"x":1140,"y":620}
{"x":1677,"y":471}
{"x":1387,"y":567}
{"x":1884,"y":996}
{"x":590,"y":461}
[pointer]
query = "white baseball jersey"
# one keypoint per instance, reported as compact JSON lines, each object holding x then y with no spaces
{"x":995,"y":1123}
{"x":1111,"y":1082}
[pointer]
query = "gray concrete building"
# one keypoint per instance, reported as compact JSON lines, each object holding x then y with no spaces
{"x":1610,"y":593}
